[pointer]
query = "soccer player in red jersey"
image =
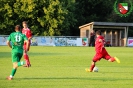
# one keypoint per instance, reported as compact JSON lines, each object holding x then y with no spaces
{"x":28,"y":34}
{"x":100,"y":52}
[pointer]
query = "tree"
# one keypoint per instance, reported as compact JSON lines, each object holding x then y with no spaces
{"x":6,"y":13}
{"x":56,"y":17}
{"x":52,"y":18}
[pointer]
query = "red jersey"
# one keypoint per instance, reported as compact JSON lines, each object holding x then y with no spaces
{"x":99,"y":45}
{"x":27,"y":32}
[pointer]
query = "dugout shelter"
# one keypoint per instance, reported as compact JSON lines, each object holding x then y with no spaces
{"x":115,"y":33}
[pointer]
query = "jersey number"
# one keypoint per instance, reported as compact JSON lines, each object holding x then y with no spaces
{"x":17,"y":38}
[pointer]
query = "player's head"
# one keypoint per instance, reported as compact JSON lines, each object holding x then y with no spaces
{"x":92,"y":31}
{"x":24,"y":23}
{"x":17,"y":28}
{"x":98,"y":32}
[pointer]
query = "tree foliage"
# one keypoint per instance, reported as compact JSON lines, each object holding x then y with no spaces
{"x":56,"y":17}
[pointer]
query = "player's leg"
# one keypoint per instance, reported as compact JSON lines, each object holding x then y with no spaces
{"x":26,"y":57}
{"x":20,"y":63}
{"x":29,"y":45}
{"x":91,"y":67}
{"x":13,"y":71}
{"x":109,"y":58}
{"x":112,"y":59}
{"x":16,"y":63}
{"x":90,"y":43}
{"x":96,"y":58}
{"x":93,"y":43}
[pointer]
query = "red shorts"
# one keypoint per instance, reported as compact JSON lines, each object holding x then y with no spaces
{"x":24,"y":46}
{"x":104,"y":54}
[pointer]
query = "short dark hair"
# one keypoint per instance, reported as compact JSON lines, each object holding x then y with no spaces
{"x":24,"y":22}
{"x":98,"y":32}
{"x":18,"y":27}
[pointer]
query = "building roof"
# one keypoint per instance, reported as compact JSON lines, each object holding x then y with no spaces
{"x":112,"y":24}
{"x":108,"y":24}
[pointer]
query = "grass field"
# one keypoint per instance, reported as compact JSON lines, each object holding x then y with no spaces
{"x":63,"y":67}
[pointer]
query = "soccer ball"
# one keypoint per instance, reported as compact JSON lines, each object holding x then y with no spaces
{"x":95,"y":69}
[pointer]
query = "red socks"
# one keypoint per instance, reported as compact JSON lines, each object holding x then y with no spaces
{"x":112,"y":59}
{"x":26,"y":57}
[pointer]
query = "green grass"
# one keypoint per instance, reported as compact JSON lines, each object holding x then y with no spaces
{"x":63,"y":67}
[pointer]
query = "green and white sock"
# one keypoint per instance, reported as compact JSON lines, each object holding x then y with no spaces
{"x":13,"y":72}
{"x":21,"y":63}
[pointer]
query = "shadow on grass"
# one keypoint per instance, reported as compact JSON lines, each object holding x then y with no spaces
{"x":46,"y":54}
{"x":76,"y":78}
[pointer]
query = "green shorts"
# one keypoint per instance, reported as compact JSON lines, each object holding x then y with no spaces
{"x":16,"y":57}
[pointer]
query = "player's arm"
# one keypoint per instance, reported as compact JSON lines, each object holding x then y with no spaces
{"x":30,"y":35}
{"x":100,"y":40}
{"x":101,"y":44}
{"x":26,"y":42}
{"x":29,"y":38}
{"x":9,"y":44}
{"x":8,"y":41}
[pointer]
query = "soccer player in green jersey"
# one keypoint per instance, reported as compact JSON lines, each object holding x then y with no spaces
{"x":17,"y":40}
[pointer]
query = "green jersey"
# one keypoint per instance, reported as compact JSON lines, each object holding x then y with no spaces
{"x":17,"y":40}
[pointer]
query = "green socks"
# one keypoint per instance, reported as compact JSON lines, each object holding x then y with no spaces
{"x":21,"y":63}
{"x":13,"y":72}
